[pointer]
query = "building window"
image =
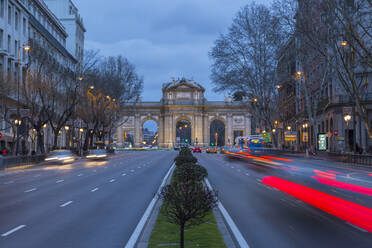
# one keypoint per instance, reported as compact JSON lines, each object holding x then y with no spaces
{"x":24,"y":26}
{"x":9,"y":41}
{"x":15,"y":47}
{"x":9,"y":15}
{"x":1,"y":38}
{"x":2,"y":6}
{"x":16,"y":20}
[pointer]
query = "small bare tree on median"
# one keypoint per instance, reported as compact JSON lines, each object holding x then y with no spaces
{"x":186,"y":204}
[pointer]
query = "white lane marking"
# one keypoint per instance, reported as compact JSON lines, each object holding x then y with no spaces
{"x":37,"y":175}
{"x":30,"y":190}
{"x":66,"y":204}
{"x":60,"y":181}
{"x":94,"y":190}
{"x":131,"y":170}
{"x":238,"y":236}
{"x":247,"y":174}
{"x":139,"y":167}
{"x":94,"y":171}
{"x":357,"y":227}
{"x":13,"y":230}
{"x":9,"y":182}
{"x":123,"y":174}
{"x":112,"y":180}
{"x":141,"y":224}
{"x":238,"y":170}
{"x":79,"y":175}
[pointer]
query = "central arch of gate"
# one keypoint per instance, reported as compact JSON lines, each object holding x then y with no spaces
{"x":183,"y":115}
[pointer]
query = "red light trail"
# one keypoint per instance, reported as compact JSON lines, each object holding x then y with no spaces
{"x":347,"y":186}
{"x":355,"y":214}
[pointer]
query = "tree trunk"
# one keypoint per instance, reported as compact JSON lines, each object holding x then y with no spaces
{"x":182,"y":232}
{"x":40,"y":142}
{"x":55,"y":139}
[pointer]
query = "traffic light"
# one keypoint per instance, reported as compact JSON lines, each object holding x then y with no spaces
{"x":212,"y":144}
{"x":187,"y":140}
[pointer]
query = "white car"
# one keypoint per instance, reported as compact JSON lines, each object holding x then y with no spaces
{"x":60,"y":157}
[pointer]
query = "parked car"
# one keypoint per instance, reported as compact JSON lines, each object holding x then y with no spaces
{"x":197,"y":149}
{"x":97,"y":154}
{"x":211,"y":150}
{"x":60,"y":157}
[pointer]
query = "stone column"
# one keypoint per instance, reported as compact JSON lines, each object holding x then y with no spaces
{"x":137,"y":132}
{"x":228,"y":130}
{"x":160,"y":131}
{"x":206,"y":129}
{"x":120,"y":138}
{"x":247,"y":125}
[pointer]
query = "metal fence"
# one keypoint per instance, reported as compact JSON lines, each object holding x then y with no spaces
{"x":12,"y":161}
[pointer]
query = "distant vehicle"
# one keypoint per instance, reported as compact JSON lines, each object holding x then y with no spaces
{"x":252,"y":141}
{"x":211,"y":150}
{"x":60,"y":157}
{"x":223,"y":149}
{"x":176,"y":148}
{"x":97,"y":154}
{"x":197,"y":149}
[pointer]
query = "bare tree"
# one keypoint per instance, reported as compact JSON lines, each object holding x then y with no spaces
{"x":350,"y":25}
{"x":113,"y":81}
{"x":245,"y":60}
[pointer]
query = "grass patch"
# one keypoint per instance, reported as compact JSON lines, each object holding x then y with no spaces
{"x":166,"y":234}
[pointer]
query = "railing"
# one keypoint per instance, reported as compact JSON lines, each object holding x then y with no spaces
{"x":355,"y":159}
{"x":12,"y":161}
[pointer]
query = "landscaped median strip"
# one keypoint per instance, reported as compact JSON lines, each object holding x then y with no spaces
{"x":172,"y":227}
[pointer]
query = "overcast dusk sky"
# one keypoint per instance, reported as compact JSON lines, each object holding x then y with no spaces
{"x":163,"y":38}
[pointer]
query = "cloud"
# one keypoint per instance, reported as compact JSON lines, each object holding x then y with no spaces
{"x":163,"y":38}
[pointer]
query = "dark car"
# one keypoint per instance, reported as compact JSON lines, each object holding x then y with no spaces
{"x":97,"y":154}
{"x":197,"y":149}
{"x":60,"y":157}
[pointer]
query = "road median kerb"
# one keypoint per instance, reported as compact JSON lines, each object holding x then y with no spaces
{"x":141,"y":235}
{"x":230,"y":232}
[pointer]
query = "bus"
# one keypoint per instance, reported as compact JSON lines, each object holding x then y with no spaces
{"x":251,"y":141}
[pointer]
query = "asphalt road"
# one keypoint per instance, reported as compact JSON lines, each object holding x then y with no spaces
{"x":85,"y":204}
{"x":268,"y":217}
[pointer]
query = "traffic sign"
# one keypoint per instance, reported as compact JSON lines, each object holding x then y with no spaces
{"x":335,"y":132}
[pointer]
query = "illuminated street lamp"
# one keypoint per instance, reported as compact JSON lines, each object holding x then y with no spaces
{"x":45,"y":125}
{"x":274,"y":130}
{"x":67,"y":128}
{"x":278,"y":86}
{"x":289,"y":128}
{"x":81,"y":130}
{"x":344,"y":43}
{"x":255,"y":100}
{"x":347,"y":118}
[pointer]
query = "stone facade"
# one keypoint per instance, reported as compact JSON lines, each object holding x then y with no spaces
{"x":184,"y":100}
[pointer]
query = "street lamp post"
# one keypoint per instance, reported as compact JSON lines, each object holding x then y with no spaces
{"x":216,"y":136}
{"x":26,"y":48}
{"x":307,"y":137}
{"x":347,"y":118}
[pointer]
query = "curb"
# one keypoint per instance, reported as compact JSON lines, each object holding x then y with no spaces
{"x":142,"y":232}
{"x":229,"y":228}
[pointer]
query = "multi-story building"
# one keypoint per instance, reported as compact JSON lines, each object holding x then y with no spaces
{"x":27,"y":26}
{"x":68,"y":15}
{"x":318,"y":87}
{"x":286,"y":71}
